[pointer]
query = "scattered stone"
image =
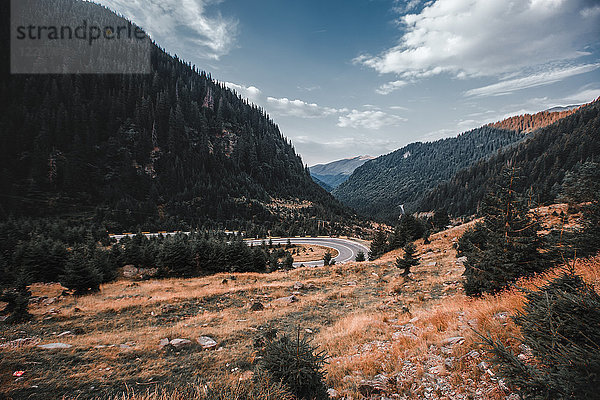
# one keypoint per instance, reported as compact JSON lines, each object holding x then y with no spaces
{"x":461,"y":260}
{"x":351,"y":283}
{"x":65,"y":333}
{"x":471,"y":354}
{"x":167,"y":308}
{"x":310,"y":286}
{"x":18,"y":343}
{"x":432,"y":264}
{"x":375,"y":386}
{"x":286,"y":300}
{"x":224,"y":282}
{"x":131,"y":272}
{"x":453,"y":340}
{"x":333,"y":393}
{"x":206,"y":342}
{"x":435,"y":370}
{"x":51,"y":346}
{"x":308,"y":330}
{"x":449,"y":363}
{"x":180,"y":343}
{"x":49,"y":301}
{"x":298,"y":286}
{"x":258,"y":306}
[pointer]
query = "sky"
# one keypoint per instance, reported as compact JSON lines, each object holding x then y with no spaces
{"x":343,"y":78}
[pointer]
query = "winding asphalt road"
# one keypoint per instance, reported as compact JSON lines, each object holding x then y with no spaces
{"x":347,"y":249}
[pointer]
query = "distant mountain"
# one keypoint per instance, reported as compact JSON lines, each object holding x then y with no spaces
{"x":333,"y":174}
{"x":531,"y":122}
{"x":543,"y":160}
{"x":157,"y":150}
{"x":380,"y":186}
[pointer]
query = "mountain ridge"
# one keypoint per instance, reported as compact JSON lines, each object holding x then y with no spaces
{"x":331,"y":175}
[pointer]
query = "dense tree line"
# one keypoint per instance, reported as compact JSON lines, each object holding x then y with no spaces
{"x":159,"y":149}
{"x":81,"y":259}
{"x":378,"y":188}
{"x":544,"y":160}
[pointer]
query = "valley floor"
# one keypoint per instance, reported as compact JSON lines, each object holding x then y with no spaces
{"x":388,"y":336}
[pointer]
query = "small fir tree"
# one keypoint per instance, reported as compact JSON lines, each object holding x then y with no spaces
{"x":80,"y":273}
{"x":378,"y":245}
{"x":297,"y":364}
{"x":327,"y":258}
{"x":506,"y":245}
{"x":560,"y":324}
{"x":360,"y":257}
{"x":409,"y":260}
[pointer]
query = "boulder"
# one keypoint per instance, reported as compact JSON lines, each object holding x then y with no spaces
{"x":258,"y":306}
{"x":206,"y":342}
{"x":51,"y":346}
{"x":130,"y":271}
{"x":286,"y":300}
{"x":180,"y":343}
{"x":163,"y":342}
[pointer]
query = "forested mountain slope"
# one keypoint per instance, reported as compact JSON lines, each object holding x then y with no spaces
{"x":173,"y":145}
{"x":542,"y":161}
{"x":379,"y":187}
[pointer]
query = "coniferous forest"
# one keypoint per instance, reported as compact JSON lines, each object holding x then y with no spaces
{"x":153,"y":150}
{"x":544,"y":159}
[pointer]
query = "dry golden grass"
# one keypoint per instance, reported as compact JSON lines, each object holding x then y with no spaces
{"x":369,"y":319}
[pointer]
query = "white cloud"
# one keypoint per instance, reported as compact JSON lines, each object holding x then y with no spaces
{"x":539,"y":79}
{"x":184,"y":27}
{"x":398,"y":108}
{"x":466,"y":38}
{"x":390,"y":87}
{"x":299,"y":108}
{"x":368,"y":119}
{"x":252,"y":93}
{"x":586,"y":95}
{"x":590,"y":12}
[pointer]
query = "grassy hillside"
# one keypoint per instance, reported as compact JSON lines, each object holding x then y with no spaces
{"x":388,"y":335}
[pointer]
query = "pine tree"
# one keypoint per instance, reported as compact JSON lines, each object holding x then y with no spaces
{"x":378,"y":245}
{"x":440,"y":220}
{"x":175,"y":257}
{"x":327,"y":258}
{"x":409,"y":260}
{"x":506,"y":245}
{"x":80,"y":273}
{"x":17,"y":299}
{"x":360,"y":257}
